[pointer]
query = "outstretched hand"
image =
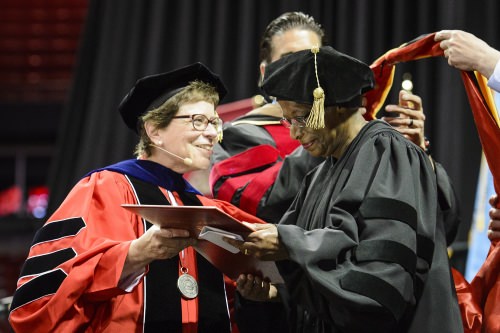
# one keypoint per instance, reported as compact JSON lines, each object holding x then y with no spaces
{"x":155,"y":243}
{"x":263,"y":243}
{"x":466,"y":52}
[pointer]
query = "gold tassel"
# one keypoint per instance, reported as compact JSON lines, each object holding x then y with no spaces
{"x":316,"y":119}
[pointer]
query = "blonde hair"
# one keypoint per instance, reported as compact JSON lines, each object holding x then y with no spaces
{"x":160,"y":117}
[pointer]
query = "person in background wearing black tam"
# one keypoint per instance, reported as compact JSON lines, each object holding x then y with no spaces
{"x":95,"y":266}
{"x":359,"y":249}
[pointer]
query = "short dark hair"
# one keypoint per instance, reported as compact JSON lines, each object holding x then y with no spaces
{"x":285,"y":22}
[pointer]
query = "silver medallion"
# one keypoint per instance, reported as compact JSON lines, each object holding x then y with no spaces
{"x":188,"y":286}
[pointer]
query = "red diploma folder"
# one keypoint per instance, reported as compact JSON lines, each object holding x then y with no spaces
{"x":194,"y":219}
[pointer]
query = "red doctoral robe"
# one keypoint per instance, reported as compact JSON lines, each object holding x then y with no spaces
{"x":71,"y":279}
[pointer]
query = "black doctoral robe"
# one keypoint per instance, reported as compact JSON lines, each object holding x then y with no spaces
{"x":366,"y":251}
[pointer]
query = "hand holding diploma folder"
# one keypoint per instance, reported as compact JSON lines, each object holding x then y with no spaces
{"x":210,"y":224}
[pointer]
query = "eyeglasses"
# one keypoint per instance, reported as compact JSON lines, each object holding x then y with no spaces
{"x":200,"y":122}
{"x":299,"y":122}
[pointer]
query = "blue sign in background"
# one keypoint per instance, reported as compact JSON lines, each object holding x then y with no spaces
{"x":479,"y":243}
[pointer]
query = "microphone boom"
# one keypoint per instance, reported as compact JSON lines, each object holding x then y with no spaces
{"x":186,"y":160}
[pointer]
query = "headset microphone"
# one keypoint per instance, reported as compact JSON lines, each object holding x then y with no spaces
{"x":187,"y":161}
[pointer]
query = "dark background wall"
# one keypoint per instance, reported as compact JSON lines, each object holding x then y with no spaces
{"x":123,"y":40}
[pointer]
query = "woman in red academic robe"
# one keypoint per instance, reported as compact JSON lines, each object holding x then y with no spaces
{"x":96,"y":267}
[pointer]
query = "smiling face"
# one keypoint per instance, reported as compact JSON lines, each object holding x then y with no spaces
{"x":181,"y":139}
{"x":162,"y":133}
{"x":316,"y":142}
{"x":341,"y":126}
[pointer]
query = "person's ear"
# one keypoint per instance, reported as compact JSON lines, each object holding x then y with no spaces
{"x":262,"y":69}
{"x":152,"y":131}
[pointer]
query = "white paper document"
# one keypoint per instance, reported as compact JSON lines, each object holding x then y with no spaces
{"x":215,"y":236}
